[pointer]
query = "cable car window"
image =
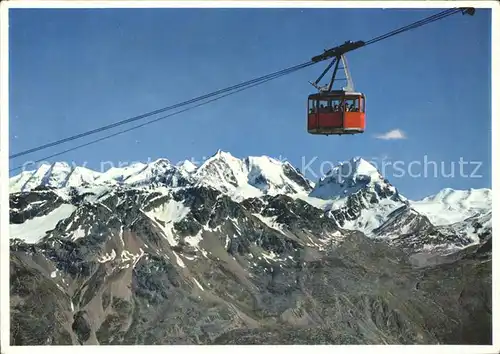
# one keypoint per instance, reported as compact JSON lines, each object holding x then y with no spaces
{"x":336,"y":103}
{"x":327,"y":105}
{"x":351,"y":104}
{"x":312,"y":106}
{"x":323,"y":106}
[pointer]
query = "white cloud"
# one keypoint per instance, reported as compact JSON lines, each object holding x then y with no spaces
{"x":394,"y":134}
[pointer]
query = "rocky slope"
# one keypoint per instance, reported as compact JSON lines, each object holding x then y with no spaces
{"x":243,"y":251}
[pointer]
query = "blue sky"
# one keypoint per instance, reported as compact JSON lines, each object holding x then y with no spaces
{"x":73,"y":70}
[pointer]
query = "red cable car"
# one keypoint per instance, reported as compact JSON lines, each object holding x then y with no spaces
{"x":338,"y":112}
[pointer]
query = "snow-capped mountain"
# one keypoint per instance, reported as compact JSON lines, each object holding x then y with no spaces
{"x":353,"y":194}
{"x":163,"y":253}
{"x":450,"y":206}
{"x":350,"y":177}
{"x":251,"y":177}
{"x":356,"y":195}
{"x":57,"y":175}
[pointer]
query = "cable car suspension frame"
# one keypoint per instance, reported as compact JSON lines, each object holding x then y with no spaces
{"x":348,"y":78}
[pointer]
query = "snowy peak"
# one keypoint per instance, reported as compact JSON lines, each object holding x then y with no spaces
{"x":450,"y":206}
{"x":145,"y":173}
{"x":17,"y":183}
{"x":222,"y":171}
{"x":359,"y":197}
{"x":35,"y":178}
{"x":471,"y":197}
{"x":247,"y":178}
{"x":57,"y":175}
{"x":251,"y":177}
{"x":81,"y":176}
{"x":186,"y":166}
{"x":61,"y":175}
{"x":121,"y":174}
{"x":273,"y":176}
{"x":357,"y":169}
{"x":350,"y":177}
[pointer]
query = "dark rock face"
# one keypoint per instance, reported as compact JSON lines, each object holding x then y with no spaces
{"x":364,"y":199}
{"x":413,"y":232}
{"x":193,"y":266}
{"x":293,"y":174}
{"x":37,"y":307}
{"x":27,"y":205}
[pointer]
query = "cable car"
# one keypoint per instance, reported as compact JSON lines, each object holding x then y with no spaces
{"x":340,"y":111}
{"x":336,"y":112}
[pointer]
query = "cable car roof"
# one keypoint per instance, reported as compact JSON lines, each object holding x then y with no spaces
{"x":334,"y":94}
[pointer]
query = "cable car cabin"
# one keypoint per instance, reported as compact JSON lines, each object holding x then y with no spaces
{"x":336,"y":112}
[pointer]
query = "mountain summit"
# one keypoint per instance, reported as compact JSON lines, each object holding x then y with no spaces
{"x":350,"y":177}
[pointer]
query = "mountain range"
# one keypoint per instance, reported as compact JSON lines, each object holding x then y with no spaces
{"x":244,"y":251}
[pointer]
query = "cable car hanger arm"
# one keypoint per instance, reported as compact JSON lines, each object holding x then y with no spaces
{"x":338,"y":51}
